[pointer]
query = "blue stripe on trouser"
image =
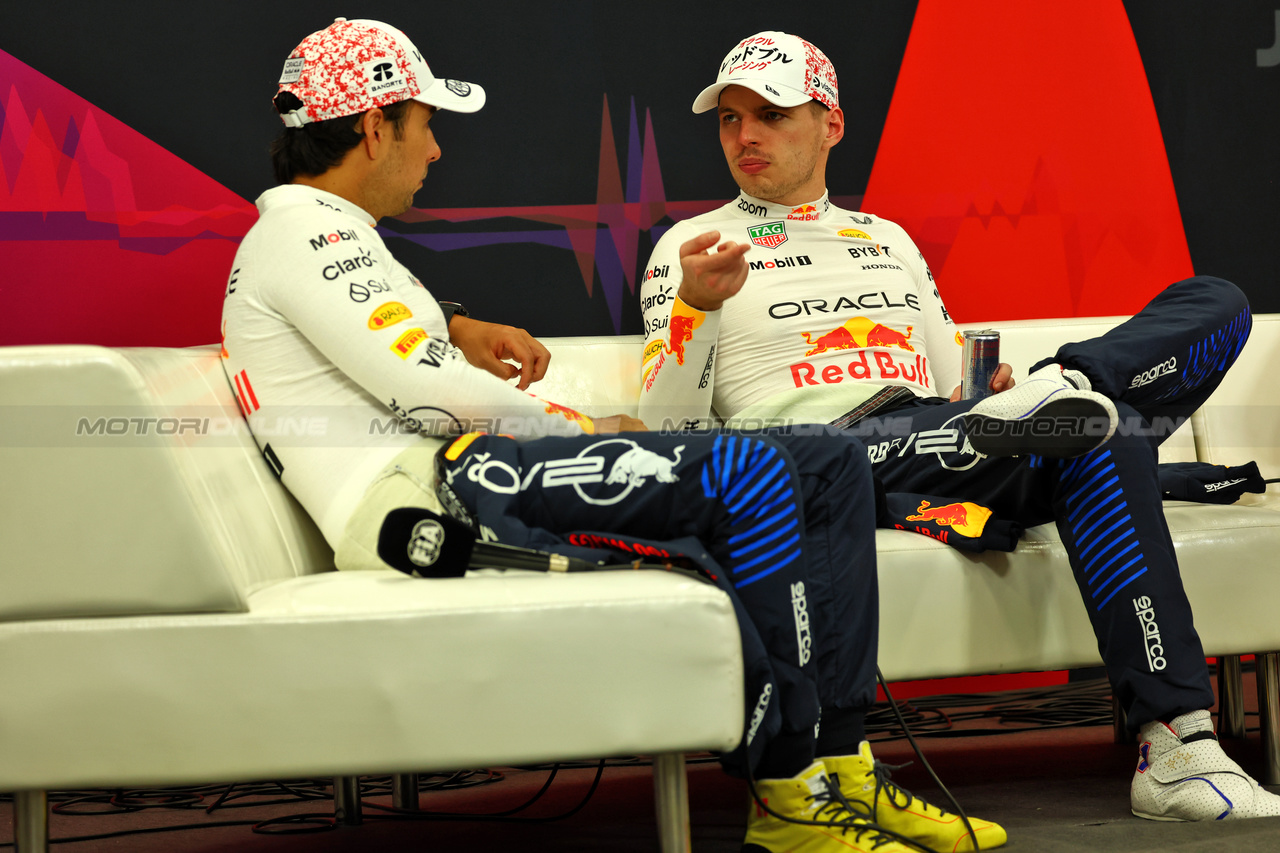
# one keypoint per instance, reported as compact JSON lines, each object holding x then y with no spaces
{"x":1108,"y":509}
{"x":1168,"y":358}
{"x":1111,"y":521}
{"x":1093,"y":537}
{"x":747,"y":468}
{"x":787,"y":522}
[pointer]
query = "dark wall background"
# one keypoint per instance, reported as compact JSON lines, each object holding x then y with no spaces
{"x":197,"y":79}
{"x":1220,"y":114}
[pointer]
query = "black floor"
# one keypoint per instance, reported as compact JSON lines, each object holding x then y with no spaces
{"x":1054,"y":790}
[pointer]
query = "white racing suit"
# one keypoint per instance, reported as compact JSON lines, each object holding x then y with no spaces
{"x":839,"y":306}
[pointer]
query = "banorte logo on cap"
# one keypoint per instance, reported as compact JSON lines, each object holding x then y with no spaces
{"x":348,"y":68}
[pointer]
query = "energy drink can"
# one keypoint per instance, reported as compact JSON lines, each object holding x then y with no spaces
{"x":981,"y":357}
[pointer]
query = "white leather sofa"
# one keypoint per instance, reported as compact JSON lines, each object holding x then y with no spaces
{"x":168,"y":613}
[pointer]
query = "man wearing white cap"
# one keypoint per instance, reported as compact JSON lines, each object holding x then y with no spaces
{"x":322,"y":324}
{"x":834,"y":318}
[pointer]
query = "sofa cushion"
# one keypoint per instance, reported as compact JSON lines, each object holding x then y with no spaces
{"x":363,"y":672}
{"x":945,"y":612}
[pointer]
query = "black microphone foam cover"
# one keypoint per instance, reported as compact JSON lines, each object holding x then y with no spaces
{"x":418,"y":540}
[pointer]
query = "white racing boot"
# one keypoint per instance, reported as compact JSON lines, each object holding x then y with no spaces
{"x":1052,"y":413}
{"x":1183,"y":774}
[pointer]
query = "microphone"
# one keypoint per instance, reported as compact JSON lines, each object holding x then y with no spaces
{"x":419,"y":541}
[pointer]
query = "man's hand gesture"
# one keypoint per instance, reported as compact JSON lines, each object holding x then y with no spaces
{"x":486,"y":345}
{"x":710,"y":279}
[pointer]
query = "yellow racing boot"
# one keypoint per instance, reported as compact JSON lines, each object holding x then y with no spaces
{"x":806,"y":814}
{"x":865,"y":784}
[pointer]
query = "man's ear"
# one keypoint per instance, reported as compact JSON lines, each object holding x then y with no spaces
{"x":835,"y":127}
{"x":376,"y":129}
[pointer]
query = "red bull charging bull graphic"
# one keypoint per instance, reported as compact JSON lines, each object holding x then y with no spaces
{"x":864,"y":337}
{"x":684,"y":320}
{"x":965,"y":518}
{"x":681,"y":330}
{"x":571,"y":415}
{"x":858,"y":333}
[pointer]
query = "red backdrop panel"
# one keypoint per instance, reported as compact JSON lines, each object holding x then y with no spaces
{"x":1023,"y":154}
{"x":106,"y":237}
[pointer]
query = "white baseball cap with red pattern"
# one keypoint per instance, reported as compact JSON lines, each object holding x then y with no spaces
{"x":350,"y":67}
{"x":783,"y":69}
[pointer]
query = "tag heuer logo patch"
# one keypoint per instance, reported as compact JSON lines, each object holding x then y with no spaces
{"x":771,"y":235}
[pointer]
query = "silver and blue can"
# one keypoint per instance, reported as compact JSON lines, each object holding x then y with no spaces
{"x":981,"y":357}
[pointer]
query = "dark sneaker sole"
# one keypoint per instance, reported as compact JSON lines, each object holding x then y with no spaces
{"x":1061,"y":429}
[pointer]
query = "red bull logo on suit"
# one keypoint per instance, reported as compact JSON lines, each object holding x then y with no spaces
{"x":858,"y":333}
{"x":861,"y":334}
{"x":588,"y":426}
{"x":965,"y":518}
{"x":614,"y":462}
{"x":681,"y":330}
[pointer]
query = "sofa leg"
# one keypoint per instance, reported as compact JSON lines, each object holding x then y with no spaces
{"x":346,"y":801}
{"x":31,"y":822}
{"x":1230,"y":698}
{"x":1268,"y":667}
{"x":404,"y":791}
{"x":671,"y":799}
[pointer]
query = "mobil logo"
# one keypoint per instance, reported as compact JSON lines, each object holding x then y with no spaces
{"x":777,"y":263}
{"x":771,"y":235}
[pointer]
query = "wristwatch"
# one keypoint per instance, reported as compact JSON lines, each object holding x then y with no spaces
{"x":452,"y":308}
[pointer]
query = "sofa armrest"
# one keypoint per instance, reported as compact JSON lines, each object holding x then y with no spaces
{"x":111,"y":506}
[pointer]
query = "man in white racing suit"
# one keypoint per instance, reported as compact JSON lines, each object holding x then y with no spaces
{"x":352,"y":377}
{"x":780,"y":307}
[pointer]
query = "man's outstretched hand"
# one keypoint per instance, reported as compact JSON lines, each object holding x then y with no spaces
{"x":486,"y":345}
{"x":710,"y":279}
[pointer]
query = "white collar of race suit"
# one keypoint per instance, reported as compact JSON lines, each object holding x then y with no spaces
{"x":287,"y":195}
{"x":757,"y":208}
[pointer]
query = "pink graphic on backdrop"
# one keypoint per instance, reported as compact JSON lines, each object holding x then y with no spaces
{"x":107,"y":237}
{"x":139,"y":242}
{"x":603,"y":236}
